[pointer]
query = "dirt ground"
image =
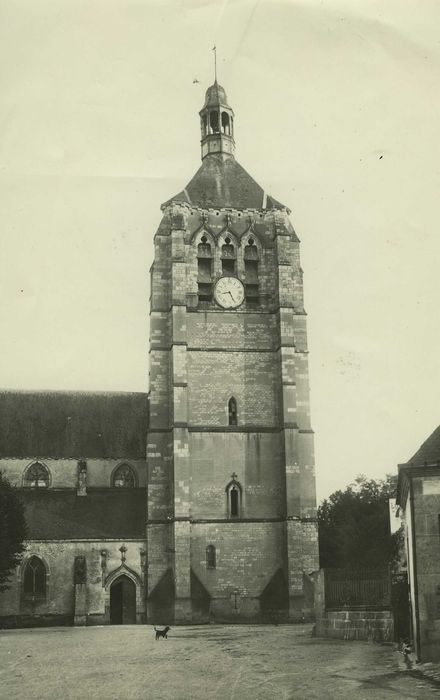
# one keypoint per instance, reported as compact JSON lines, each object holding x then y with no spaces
{"x":200,"y":663}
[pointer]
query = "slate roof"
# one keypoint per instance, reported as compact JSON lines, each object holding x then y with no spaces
{"x":429,"y":451}
{"x":215,"y":95}
{"x":62,"y":515}
{"x":73,"y":424}
{"x":220,"y":183}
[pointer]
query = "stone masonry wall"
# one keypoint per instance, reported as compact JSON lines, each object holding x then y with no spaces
{"x":59,"y":605}
{"x":247,"y":556}
{"x":426,"y":528}
{"x":252,"y":378}
{"x":64,"y":472}
{"x":256,"y":459}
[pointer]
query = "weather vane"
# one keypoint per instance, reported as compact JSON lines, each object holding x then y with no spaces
{"x":214,"y":48}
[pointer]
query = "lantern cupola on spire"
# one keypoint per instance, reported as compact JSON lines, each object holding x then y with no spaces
{"x":217,"y":123}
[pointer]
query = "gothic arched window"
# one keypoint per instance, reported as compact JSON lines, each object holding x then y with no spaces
{"x":124,"y":477}
{"x":36,"y":476}
{"x":204,"y":270}
{"x":251,"y":270}
{"x":210,"y":557}
{"x":34,"y":578}
{"x":233,"y":494}
{"x":228,"y":257}
{"x":232,"y":412}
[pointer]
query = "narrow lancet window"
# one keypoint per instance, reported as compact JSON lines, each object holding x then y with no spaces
{"x":232,"y":411}
{"x":251,"y":271}
{"x":228,"y":257}
{"x":204,"y":270}
{"x":234,"y":496}
{"x":210,"y":557}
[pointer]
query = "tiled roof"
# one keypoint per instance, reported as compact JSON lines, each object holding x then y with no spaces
{"x":53,"y":515}
{"x":429,"y":452}
{"x":223,"y":183}
{"x":70,"y":424}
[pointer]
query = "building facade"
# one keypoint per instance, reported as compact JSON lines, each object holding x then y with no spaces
{"x":418,"y":497}
{"x":228,"y":529}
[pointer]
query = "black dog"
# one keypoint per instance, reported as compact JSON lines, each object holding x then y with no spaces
{"x":161,"y":633}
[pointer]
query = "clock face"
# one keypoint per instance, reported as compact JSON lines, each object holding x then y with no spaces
{"x":229,"y":292}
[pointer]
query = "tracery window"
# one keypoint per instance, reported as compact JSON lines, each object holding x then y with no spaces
{"x":124,"y":477}
{"x":34,"y":578}
{"x":210,"y":557}
{"x":37,"y":476}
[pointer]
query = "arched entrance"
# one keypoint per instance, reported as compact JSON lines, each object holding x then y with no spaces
{"x":123,"y":601}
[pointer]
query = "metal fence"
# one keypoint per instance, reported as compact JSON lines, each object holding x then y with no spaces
{"x":357,"y":588}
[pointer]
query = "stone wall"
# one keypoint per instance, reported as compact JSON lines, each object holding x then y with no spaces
{"x":368,"y":625}
{"x":103,"y":562}
{"x":350,"y":623}
{"x":64,"y":472}
{"x":426,"y":561}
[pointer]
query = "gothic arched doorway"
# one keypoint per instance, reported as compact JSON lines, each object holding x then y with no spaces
{"x":123,"y":601}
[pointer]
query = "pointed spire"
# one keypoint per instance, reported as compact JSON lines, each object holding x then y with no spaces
{"x":214,"y":48}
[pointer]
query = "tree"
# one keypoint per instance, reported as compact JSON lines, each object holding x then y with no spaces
{"x":354,"y":530}
{"x":12,"y":531}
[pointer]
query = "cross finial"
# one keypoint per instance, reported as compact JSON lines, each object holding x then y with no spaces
{"x":233,"y":476}
{"x":214,"y":48}
{"x":123,"y":549}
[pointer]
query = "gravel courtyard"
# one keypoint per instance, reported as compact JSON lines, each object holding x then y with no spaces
{"x":200,"y":663}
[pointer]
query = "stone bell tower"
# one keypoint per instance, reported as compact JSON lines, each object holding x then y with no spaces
{"x":231,"y":522}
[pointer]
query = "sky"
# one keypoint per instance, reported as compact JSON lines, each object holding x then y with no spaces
{"x":336,"y":114}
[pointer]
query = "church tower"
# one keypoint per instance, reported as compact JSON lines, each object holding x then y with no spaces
{"x":231,"y":521}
